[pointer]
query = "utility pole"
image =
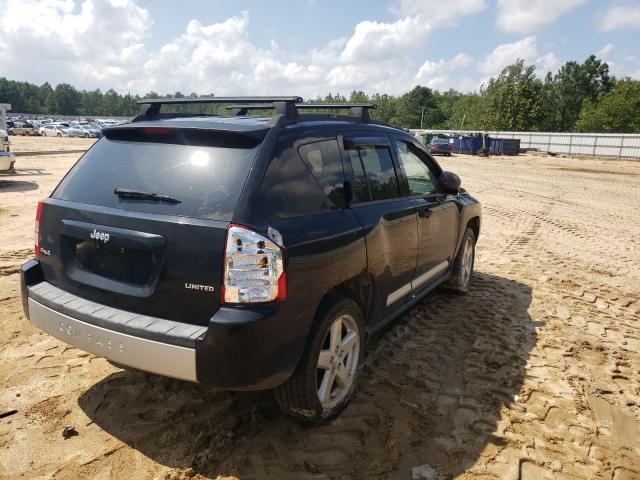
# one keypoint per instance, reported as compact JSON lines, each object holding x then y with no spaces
{"x":422,"y":117}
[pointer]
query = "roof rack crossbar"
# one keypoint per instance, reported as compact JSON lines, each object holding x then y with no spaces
{"x":193,"y":100}
{"x":150,"y":107}
{"x":360,"y":110}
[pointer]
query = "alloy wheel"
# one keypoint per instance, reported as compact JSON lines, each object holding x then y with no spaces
{"x":467,"y":261}
{"x":338,"y":361}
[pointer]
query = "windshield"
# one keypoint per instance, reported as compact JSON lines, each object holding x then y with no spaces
{"x":207,"y":180}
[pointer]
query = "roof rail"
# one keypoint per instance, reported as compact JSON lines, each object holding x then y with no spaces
{"x":360,"y":110}
{"x":285,"y":106}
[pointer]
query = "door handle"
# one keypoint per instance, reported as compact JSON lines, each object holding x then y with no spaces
{"x":425,"y":212}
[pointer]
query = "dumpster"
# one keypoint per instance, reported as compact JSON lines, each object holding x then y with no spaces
{"x":510,"y":146}
{"x":465,"y":144}
{"x":496,"y":146}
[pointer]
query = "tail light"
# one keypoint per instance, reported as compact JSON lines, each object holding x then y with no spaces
{"x":449,"y":146}
{"x":433,"y":145}
{"x":253,"y":268}
{"x":36,"y":236}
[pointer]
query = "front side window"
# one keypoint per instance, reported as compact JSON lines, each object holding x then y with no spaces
{"x":419,"y":176}
{"x":374,"y":174}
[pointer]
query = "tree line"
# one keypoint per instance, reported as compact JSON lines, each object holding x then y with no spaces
{"x":579,"y":97}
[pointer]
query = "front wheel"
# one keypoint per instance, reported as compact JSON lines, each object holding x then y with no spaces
{"x":463,"y":264}
{"x":324,"y":381}
{"x":59,"y":135}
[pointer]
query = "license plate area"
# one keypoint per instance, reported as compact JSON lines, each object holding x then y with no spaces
{"x":112,"y":258}
{"x":117,"y":263}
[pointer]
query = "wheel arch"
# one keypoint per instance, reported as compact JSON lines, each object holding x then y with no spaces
{"x":474,"y":224}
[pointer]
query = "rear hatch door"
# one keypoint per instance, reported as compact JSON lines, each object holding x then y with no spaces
{"x":156,"y":255}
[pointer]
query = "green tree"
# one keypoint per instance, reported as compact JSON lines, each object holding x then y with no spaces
{"x":570,"y":87}
{"x":416,"y":105}
{"x":467,"y":113}
{"x":386,"y":107}
{"x":67,"y":99}
{"x":513,"y":101}
{"x":614,"y":112}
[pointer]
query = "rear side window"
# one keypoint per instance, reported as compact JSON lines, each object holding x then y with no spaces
{"x":374,"y":174}
{"x":206,"y":180}
{"x":323,"y":160}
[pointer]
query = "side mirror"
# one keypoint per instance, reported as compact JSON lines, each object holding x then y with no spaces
{"x":450,"y":182}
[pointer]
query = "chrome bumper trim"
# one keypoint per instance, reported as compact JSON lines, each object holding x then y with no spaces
{"x":136,"y":352}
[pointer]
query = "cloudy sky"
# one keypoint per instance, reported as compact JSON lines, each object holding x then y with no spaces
{"x":306,"y":47}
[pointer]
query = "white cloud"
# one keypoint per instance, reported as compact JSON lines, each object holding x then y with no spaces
{"x":527,"y":16}
{"x":547,"y":63}
{"x":436,"y":11}
{"x":605,"y":51}
{"x":621,"y":17}
{"x":103,"y":44}
{"x":525,"y":49}
{"x":437,"y":75}
{"x":220,"y":58}
{"x":508,"y":53}
{"x":379,"y":41}
{"x":100,"y":39}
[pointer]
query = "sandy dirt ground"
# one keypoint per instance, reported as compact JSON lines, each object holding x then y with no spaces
{"x":535,"y":374}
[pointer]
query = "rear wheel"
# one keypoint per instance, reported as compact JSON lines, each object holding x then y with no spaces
{"x":324,"y":381}
{"x":59,"y":135}
{"x":463,"y":264}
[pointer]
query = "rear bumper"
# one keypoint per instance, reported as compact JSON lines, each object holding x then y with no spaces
{"x":240,"y":349}
{"x":137,"y":352}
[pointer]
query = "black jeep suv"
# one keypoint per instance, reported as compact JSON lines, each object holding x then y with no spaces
{"x":247,"y":252}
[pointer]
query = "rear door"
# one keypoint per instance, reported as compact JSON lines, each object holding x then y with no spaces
{"x":437,"y":212}
{"x":157,"y":258}
{"x":389,"y":221}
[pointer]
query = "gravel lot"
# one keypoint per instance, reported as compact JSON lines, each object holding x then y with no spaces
{"x":535,"y":374}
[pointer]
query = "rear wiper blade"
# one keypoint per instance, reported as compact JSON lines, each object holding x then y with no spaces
{"x":128,"y":193}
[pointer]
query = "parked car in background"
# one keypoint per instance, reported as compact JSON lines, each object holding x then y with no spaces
{"x":7,"y":160}
{"x":75,"y":131}
{"x":89,"y":131}
{"x":440,"y":145}
{"x":23,"y":129}
{"x":4,"y":141}
{"x":54,"y":130}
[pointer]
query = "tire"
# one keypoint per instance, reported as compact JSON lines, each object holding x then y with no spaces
{"x":299,"y":396}
{"x":463,"y":264}
{"x":44,"y":134}
{"x":86,"y":135}
{"x":59,"y":135}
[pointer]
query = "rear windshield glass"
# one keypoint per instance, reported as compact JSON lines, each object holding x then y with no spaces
{"x":206,"y":180}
